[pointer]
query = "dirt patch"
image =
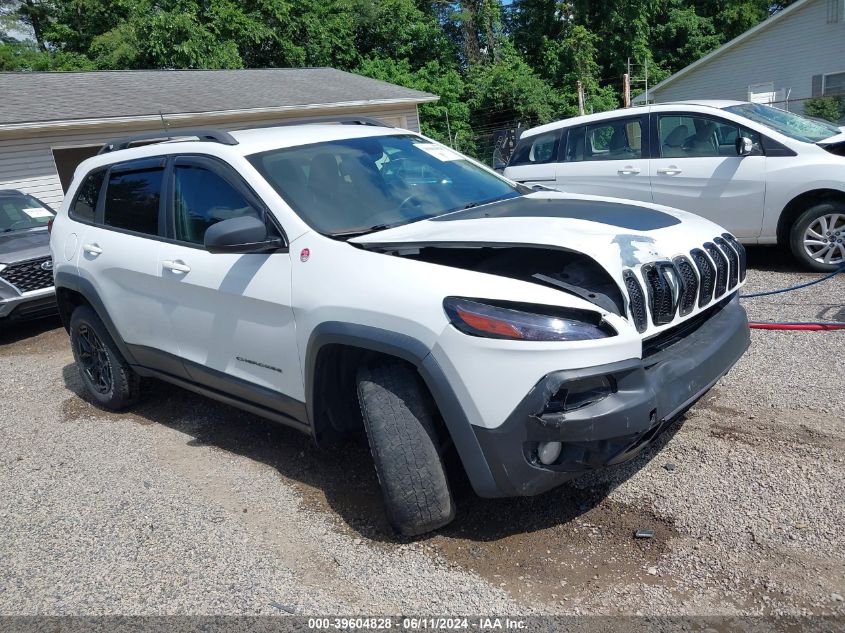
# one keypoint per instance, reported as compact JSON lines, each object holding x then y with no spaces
{"x":557,"y":556}
{"x":41,"y":337}
{"x":710,"y":402}
{"x":791,"y":433}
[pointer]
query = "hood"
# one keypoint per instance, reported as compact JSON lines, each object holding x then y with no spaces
{"x":23,"y":245}
{"x":616,"y":233}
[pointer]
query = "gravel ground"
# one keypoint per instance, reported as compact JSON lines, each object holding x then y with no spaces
{"x":187,"y":506}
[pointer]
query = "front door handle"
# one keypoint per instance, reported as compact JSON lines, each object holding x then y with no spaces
{"x":176,"y":266}
{"x":628,"y":170}
{"x":92,"y":249}
{"x":669,"y":171}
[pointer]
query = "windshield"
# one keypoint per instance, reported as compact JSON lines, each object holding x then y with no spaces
{"x":354,"y":186}
{"x":20,"y":212}
{"x":787,"y":123}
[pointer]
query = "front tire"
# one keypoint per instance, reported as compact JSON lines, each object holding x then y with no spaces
{"x":817,"y":239}
{"x":399,"y":420}
{"x":109,"y":380}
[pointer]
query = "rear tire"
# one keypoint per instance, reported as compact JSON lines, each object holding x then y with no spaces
{"x":819,"y":233}
{"x":399,"y":419}
{"x":109,"y":380}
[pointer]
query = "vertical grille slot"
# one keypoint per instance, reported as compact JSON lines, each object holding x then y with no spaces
{"x":740,"y":251}
{"x":661,"y":297}
{"x":27,"y":276}
{"x":721,"y":268}
{"x":733,"y":258}
{"x":707,"y":274}
{"x":689,"y":285}
{"x":637,"y":301}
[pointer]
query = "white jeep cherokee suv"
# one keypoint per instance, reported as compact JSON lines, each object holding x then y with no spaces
{"x":768,"y":176}
{"x":338,"y":277}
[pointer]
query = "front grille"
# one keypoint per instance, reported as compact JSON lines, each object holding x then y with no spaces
{"x":675,"y":287}
{"x":689,"y":285}
{"x":707,"y":275}
{"x":721,"y":267}
{"x":661,"y":297}
{"x":29,"y":275}
{"x":637,"y":300}
{"x":740,"y":251}
{"x":733,"y":258}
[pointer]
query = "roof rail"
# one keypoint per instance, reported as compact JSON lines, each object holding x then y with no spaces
{"x":202,"y":134}
{"x":341,"y":120}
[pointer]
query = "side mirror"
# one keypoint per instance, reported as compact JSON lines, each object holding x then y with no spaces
{"x":744,"y":146}
{"x":246,"y":234}
{"x":499,"y":166}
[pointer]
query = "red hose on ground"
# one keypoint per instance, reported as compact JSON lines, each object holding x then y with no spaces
{"x":815,"y":327}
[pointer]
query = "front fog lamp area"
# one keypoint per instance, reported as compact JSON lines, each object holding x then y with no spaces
{"x":524,"y":322}
{"x":578,"y":394}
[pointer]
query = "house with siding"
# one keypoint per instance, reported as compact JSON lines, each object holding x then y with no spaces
{"x":791,"y":56}
{"x":50,"y":122}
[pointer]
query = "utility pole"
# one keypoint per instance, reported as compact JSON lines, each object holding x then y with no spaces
{"x":626,"y":90}
{"x":580,"y":87}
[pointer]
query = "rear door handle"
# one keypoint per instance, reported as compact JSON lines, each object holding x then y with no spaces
{"x":669,"y":171}
{"x":92,"y":249}
{"x":177,"y":266}
{"x":628,"y":170}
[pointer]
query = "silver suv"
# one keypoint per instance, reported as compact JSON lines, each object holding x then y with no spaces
{"x":26,"y":268}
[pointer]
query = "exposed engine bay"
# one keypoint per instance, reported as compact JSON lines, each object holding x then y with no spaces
{"x":567,"y":271}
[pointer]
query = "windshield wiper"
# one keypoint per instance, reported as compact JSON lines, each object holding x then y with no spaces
{"x":359,"y":232}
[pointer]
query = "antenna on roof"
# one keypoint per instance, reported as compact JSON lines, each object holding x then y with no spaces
{"x":164,"y":125}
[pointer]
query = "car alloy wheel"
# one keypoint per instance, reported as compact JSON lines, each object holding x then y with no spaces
{"x":94,"y":359}
{"x":824,"y":239}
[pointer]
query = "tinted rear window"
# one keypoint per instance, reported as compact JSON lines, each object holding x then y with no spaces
{"x":85,"y":205}
{"x":536,"y":150}
{"x":132,"y":200}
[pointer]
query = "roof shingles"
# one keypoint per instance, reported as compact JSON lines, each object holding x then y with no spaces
{"x":58,"y":96}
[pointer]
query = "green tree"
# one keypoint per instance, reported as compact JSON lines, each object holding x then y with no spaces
{"x":681,"y":36}
{"x":444,"y":120}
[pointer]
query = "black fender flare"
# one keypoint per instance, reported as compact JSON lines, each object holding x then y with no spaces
{"x":83,"y":287}
{"x":418,"y":354}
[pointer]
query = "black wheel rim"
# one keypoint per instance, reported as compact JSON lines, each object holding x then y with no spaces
{"x":94,"y":359}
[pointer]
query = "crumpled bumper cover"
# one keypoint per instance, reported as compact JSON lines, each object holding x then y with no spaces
{"x":648,"y":393}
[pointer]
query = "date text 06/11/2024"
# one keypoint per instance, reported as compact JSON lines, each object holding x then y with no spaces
{"x":416,"y":623}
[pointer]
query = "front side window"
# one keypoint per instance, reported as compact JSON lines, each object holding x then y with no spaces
{"x":132,"y":200}
{"x":536,"y":149}
{"x":353,"y":186}
{"x":690,"y":136}
{"x":787,"y":123}
{"x":22,"y":212}
{"x":202,"y":199}
{"x":614,"y":140}
{"x":85,"y":205}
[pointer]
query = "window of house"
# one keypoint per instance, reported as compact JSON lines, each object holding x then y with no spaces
{"x":132,"y":200}
{"x":834,"y":84}
{"x":85,"y":206}
{"x":202,"y":199}
{"x":835,"y":11}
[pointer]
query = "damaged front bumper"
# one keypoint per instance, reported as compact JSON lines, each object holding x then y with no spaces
{"x":646,"y":394}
